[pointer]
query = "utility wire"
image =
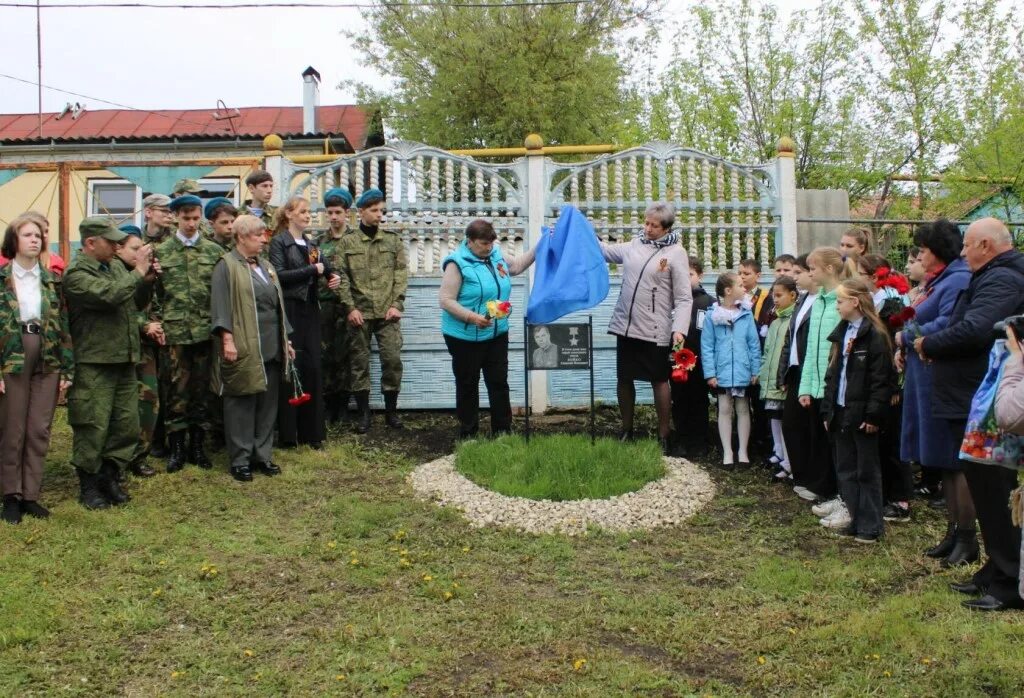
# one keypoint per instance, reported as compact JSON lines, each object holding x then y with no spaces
{"x":295,"y":5}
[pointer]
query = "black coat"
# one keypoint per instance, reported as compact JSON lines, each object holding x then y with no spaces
{"x":798,"y":335}
{"x":960,"y":351}
{"x":868,"y":378}
{"x":701,"y":302}
{"x":296,"y":274}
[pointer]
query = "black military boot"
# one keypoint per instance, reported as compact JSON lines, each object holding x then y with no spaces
{"x":391,"y":410}
{"x":159,"y":446}
{"x":331,"y":409}
{"x":343,"y":407}
{"x":196,"y":452}
{"x":363,"y":408}
{"x":12,"y":509}
{"x":176,"y":444}
{"x":89,"y":495}
{"x":109,"y":485}
{"x":141,"y":468}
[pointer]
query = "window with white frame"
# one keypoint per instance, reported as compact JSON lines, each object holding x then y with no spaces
{"x":212,"y":187}
{"x":117,"y":198}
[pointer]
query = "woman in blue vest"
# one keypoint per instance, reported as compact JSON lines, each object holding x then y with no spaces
{"x":474,"y":274}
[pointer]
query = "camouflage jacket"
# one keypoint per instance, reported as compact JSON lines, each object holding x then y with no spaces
{"x":161,"y":236}
{"x":267,"y":217}
{"x":103,"y":307}
{"x":144,"y":316}
{"x":56,"y":335}
{"x":330,"y":250}
{"x":374,"y":272}
{"x":183,"y":289}
{"x":225,"y":246}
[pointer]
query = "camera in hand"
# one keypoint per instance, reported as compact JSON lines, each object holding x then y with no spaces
{"x":1014,"y":321}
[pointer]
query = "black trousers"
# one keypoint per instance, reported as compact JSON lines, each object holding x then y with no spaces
{"x":897,"y":476}
{"x":690,"y":403}
{"x":303,"y":424}
{"x":860,"y":477}
{"x":990,"y":487}
{"x":468,"y":360}
{"x":808,"y":444}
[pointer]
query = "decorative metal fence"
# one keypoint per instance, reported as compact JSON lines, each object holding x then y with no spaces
{"x":725,"y":211}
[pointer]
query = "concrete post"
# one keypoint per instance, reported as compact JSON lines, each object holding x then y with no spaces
{"x":785,"y":171}
{"x":536,"y":195}
{"x":273,"y":162}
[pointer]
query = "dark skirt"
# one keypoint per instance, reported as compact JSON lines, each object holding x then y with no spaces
{"x":303,"y":424}
{"x":638,"y":360}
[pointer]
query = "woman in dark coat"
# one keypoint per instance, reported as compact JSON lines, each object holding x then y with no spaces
{"x":924,"y":438}
{"x":296,"y":257}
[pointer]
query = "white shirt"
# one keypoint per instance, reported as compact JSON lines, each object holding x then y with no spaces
{"x":30,"y":292}
{"x":188,"y":242}
{"x":851,"y":334}
{"x":794,"y":359}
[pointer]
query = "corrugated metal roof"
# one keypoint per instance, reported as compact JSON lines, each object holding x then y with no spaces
{"x":348,"y":120}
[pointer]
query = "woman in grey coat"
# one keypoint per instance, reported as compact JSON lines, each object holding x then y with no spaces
{"x":651,"y":315}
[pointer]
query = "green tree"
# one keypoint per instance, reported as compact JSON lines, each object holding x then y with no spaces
{"x":487,"y":76}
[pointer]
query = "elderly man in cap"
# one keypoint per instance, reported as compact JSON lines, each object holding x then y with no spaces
{"x":333,"y":324}
{"x":158,"y":221}
{"x":103,"y":300}
{"x":261,"y":189}
{"x":221,"y":213}
{"x":187,"y":260}
{"x":374,"y":277}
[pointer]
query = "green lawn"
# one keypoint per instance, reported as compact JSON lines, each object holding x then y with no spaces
{"x":560,"y":467}
{"x":332,"y":580}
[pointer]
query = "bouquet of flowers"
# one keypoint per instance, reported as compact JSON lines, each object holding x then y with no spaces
{"x":886,"y":277}
{"x":683,"y":361}
{"x":498,"y":310}
{"x":299,"y":396}
{"x":898,"y":320}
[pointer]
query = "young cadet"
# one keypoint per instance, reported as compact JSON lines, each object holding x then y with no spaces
{"x":333,"y":324}
{"x":221,"y":213}
{"x":261,"y":188}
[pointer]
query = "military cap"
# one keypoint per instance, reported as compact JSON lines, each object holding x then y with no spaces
{"x":186,"y":200}
{"x":213,"y":204}
{"x":185,"y":186}
{"x":101,"y":226}
{"x":130,"y":229}
{"x":339,"y":193}
{"x":369,"y":198}
{"x":156,"y":201}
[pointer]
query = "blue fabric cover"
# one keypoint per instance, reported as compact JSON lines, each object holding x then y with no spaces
{"x":571,"y":273}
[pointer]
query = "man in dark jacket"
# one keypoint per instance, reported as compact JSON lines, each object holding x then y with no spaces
{"x":690,"y":399}
{"x":960,"y":355}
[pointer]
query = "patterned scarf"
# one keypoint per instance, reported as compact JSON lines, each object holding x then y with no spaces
{"x":671,"y":238}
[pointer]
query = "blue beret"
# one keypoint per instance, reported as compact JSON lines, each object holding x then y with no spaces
{"x":130,"y":229}
{"x":339,"y":193}
{"x":186,"y":200}
{"x":369,"y":198}
{"x":215,"y":203}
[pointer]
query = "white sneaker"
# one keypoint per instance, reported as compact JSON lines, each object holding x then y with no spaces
{"x":840,"y":518}
{"x":804,"y":493}
{"x":826,"y":508}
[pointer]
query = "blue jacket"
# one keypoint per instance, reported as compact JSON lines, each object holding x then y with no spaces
{"x":571,"y":273}
{"x":730,"y":353}
{"x":482,"y":280}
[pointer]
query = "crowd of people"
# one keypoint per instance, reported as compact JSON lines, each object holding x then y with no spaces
{"x":223,"y":326}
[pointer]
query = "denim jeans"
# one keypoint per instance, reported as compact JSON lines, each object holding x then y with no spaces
{"x":860,"y":477}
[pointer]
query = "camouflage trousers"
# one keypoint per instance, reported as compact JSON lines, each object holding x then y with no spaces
{"x":103,"y":413}
{"x":147,"y":373}
{"x":334,"y":354}
{"x":188,"y":398}
{"x":389,"y":344}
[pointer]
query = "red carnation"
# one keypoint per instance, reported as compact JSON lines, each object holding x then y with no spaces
{"x":898,"y":320}
{"x":299,"y":399}
{"x":684,"y":358}
{"x":887,"y":278}
{"x":680,"y":374}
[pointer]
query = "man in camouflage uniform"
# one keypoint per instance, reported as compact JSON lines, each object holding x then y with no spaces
{"x":221,"y":213}
{"x":261,"y":188}
{"x":184,"y":187}
{"x":103,"y":300}
{"x":152,"y":337}
{"x":187,"y":260}
{"x":374,"y":277}
{"x":333,"y":324}
{"x":158,"y":224}
{"x":158,"y":221}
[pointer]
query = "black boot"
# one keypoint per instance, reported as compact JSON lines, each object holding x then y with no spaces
{"x":343,"y":407}
{"x":89,"y":495}
{"x":141,"y":469}
{"x":176,"y":444}
{"x":196,"y":451}
{"x":945,"y":546}
{"x":332,"y":408}
{"x":363,"y":407}
{"x":12,"y":509}
{"x":965,"y":549}
{"x":242,"y":473}
{"x":109,"y":485}
{"x":391,"y":410}
{"x":666,"y":447}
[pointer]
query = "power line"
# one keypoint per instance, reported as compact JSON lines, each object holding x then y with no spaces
{"x":293,"y":5}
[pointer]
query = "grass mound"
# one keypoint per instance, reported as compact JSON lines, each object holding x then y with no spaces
{"x":561,"y":467}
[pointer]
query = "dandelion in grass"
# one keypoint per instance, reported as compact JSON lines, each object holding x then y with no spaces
{"x":761,"y":660}
{"x":579,"y":664}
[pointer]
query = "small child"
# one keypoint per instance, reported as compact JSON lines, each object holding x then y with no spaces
{"x":773,"y":370}
{"x":858,"y":386}
{"x":731,"y":353}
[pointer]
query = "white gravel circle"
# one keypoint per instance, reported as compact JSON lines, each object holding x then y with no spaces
{"x":677,"y":496}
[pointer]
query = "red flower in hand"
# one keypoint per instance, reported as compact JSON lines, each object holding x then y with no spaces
{"x":684,"y":358}
{"x":886,"y":277}
{"x":898,"y":320}
{"x":300,"y":399}
{"x":680,"y":374}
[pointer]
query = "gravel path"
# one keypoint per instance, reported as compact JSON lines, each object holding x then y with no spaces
{"x":683,"y":490}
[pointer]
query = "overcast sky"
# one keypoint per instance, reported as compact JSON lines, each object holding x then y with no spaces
{"x":185,"y":59}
